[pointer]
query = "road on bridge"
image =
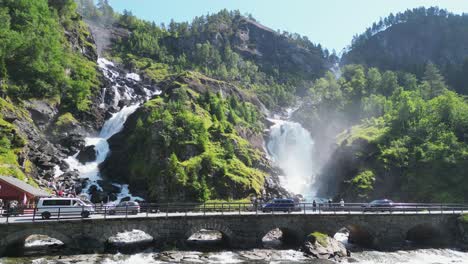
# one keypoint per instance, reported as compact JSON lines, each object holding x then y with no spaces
{"x":236,"y":209}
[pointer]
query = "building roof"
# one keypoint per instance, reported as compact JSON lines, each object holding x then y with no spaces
{"x":24,"y":186}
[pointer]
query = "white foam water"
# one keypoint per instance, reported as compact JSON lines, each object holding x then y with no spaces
{"x":141,"y":258}
{"x":130,"y":237}
{"x":420,"y":256}
{"x":291,"y":148}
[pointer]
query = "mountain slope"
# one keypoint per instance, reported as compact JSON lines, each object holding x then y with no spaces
{"x":409,"y":40}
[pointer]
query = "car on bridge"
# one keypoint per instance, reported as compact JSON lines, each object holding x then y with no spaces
{"x":285,"y":205}
{"x":63,"y":208}
{"x":124,"y":208}
{"x":379,"y":205}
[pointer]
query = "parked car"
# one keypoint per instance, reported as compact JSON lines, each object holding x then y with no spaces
{"x":48,"y":207}
{"x":124,"y":208}
{"x":285,"y":205}
{"x":379,"y":205}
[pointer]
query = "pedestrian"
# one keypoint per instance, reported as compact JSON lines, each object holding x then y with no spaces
{"x":314,"y":205}
{"x":342,"y":202}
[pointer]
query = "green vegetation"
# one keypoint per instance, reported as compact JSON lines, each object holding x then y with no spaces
{"x":36,"y":60}
{"x":11,"y":144}
{"x":364,"y":180}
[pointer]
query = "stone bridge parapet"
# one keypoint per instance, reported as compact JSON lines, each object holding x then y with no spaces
{"x":239,"y":231}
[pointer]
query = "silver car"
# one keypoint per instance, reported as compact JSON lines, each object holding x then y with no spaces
{"x":124,"y":208}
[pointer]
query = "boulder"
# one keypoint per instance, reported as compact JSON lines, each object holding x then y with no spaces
{"x":88,"y":154}
{"x":321,"y":246}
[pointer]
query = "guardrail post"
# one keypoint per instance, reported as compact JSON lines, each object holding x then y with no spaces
{"x":58,"y":217}
{"x":239,"y":209}
{"x":126,"y":211}
{"x":34,"y":214}
{"x":147,"y":210}
{"x":222,"y":208}
{"x":105,"y":211}
{"x":167,"y":210}
{"x":304,"y":207}
{"x":204,"y":208}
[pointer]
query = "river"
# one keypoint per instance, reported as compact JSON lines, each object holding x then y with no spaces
{"x":259,"y":256}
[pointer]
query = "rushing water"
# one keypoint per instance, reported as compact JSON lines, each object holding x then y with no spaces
{"x":258,"y":256}
{"x":291,"y":149}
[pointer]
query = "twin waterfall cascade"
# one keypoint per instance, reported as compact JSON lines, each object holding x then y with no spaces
{"x":113,"y":125}
{"x":291,"y":148}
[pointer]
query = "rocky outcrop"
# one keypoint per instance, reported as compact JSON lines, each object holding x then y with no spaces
{"x":321,"y":246}
{"x":272,"y":50}
{"x":87,"y":154}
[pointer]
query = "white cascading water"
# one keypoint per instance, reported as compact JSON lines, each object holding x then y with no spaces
{"x":291,"y":149}
{"x":113,"y":125}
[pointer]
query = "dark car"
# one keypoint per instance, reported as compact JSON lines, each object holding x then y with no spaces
{"x":124,"y":208}
{"x":285,"y":205}
{"x":379,"y":205}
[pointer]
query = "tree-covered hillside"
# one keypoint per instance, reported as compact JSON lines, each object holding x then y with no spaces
{"x":36,"y":58}
{"x":47,"y":72}
{"x":404,"y":137}
{"x":191,"y":145}
{"x":408,"y":40}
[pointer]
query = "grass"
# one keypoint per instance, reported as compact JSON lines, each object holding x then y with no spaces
{"x":370,"y":132}
{"x":66,"y":119}
{"x":464,"y":218}
{"x":321,"y":238}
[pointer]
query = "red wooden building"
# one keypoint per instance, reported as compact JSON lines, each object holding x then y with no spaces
{"x":15,"y":189}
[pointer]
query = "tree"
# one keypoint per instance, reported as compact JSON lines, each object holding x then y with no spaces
{"x":389,"y":83}
{"x":433,"y":83}
{"x":374,"y":80}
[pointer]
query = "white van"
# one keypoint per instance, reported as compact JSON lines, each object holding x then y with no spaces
{"x":63,"y":208}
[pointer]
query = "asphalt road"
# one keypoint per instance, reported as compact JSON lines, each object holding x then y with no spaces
{"x":29,"y":218}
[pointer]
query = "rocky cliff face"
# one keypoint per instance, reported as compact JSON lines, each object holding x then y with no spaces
{"x":273,"y":51}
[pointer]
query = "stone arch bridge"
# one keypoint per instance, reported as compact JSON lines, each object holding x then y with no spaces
{"x":239,"y":231}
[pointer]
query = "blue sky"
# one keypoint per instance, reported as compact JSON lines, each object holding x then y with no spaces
{"x":331,"y":23}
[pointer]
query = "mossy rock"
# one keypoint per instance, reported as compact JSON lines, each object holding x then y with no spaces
{"x":318,"y":237}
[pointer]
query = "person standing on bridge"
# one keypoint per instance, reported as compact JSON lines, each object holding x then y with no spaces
{"x":342,"y":202}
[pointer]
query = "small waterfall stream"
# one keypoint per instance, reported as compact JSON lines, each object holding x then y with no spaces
{"x":113,"y":125}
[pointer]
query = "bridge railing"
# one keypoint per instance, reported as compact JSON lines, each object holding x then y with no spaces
{"x":228,"y":208}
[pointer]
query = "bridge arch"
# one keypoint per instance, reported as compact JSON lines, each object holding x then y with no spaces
{"x":227,"y":234}
{"x":425,"y":233}
{"x":288,"y":235}
{"x":13,"y":244}
{"x":359,"y":234}
{"x":116,"y":230}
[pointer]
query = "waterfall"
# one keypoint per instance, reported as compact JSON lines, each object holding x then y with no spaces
{"x":113,"y":125}
{"x":291,"y":149}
